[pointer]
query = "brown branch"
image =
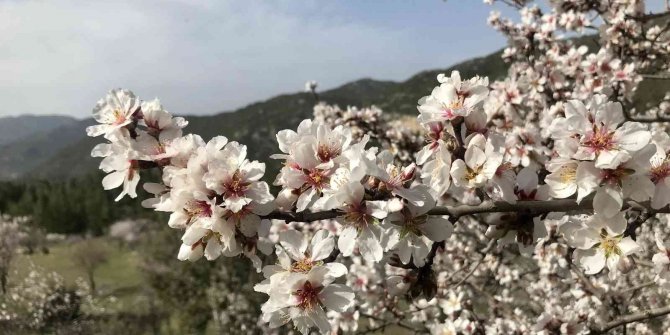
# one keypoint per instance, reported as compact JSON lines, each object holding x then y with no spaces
{"x":659,"y":76}
{"x":647,"y":119}
{"x":636,"y":317}
{"x":648,"y":17}
{"x":588,"y":285}
{"x":532,"y":208}
{"x":638,"y":287}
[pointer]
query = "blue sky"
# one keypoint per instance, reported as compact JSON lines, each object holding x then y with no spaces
{"x":204,"y":57}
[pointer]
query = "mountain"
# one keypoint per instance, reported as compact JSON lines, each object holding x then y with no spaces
{"x":17,"y":128}
{"x":65,"y":152}
{"x":256,"y":125}
{"x":20,"y":157}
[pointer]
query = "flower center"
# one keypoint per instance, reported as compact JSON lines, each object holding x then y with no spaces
{"x":327,"y":152}
{"x":568,"y":174}
{"x":454,"y":105}
{"x":317,"y":179}
{"x":615,"y":176}
{"x":119,"y":117}
{"x":198,"y":208}
{"x":435,"y":134}
{"x":471,"y":174}
{"x":358,"y":217}
{"x":660,"y":171}
{"x":236,"y":186}
{"x":609,"y":244}
{"x":308,"y":296}
{"x":304,"y":265}
{"x":600,"y":139}
{"x":399,"y":177}
{"x":411,"y":224}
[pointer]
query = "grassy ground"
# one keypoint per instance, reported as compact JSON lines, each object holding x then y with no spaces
{"x":119,"y":276}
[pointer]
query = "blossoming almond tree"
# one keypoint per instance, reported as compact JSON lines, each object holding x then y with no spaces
{"x":541,"y":195}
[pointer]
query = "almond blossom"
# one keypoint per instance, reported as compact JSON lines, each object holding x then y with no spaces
{"x":479,"y":165}
{"x":411,"y":231}
{"x":548,"y":157}
{"x":114,"y":112}
{"x":611,"y":186}
{"x":661,"y":261}
{"x":602,"y":137}
{"x":361,"y":222}
{"x":453,"y":98}
{"x":601,"y":243}
{"x":658,"y":174}
{"x":304,"y":298}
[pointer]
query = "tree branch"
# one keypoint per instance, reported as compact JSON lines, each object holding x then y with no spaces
{"x":523,"y":207}
{"x":636,"y":317}
{"x":659,"y":76}
{"x":648,"y":17}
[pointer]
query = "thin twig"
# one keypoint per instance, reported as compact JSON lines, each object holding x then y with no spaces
{"x":589,"y":287}
{"x":636,"y":317}
{"x":658,"y":76}
{"x":637,"y":287}
{"x":485,"y":252}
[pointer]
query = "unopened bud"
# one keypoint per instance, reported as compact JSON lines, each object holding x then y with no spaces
{"x":625,"y":265}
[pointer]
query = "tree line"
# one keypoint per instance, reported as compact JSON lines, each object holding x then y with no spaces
{"x":74,"y":206}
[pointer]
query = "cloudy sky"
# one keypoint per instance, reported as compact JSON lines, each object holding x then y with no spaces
{"x":204,"y":57}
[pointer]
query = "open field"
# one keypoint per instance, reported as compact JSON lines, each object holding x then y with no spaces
{"x":119,"y":277}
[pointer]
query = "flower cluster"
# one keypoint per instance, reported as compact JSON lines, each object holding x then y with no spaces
{"x":547,"y":173}
{"x":301,"y":285}
{"x":211,"y":189}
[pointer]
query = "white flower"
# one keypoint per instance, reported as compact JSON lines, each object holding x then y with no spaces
{"x":612,"y":186}
{"x":159,"y":122}
{"x":661,"y":261}
{"x":452,"y":98}
{"x":361,"y":223}
{"x":527,"y":186}
{"x":300,"y":286}
{"x":207,"y":234}
{"x":121,"y":164}
{"x":447,"y":328}
{"x":600,"y":242}
{"x":114,"y":112}
{"x":305,"y":171}
{"x":394,"y":179}
{"x":601,"y":137}
{"x":452,"y":303}
{"x":562,"y":180}
{"x":232,"y":175}
{"x":307,"y":254}
{"x":435,"y":138}
{"x":296,"y":254}
{"x":658,"y":174}
{"x":411,"y":230}
{"x":303,"y":298}
{"x":435,"y":173}
{"x":481,"y":163}
{"x":188,"y":208}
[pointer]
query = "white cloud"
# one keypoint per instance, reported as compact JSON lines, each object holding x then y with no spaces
{"x":198,"y":56}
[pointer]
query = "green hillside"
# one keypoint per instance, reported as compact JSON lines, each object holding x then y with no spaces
{"x":256,"y":125}
{"x":64,"y":153}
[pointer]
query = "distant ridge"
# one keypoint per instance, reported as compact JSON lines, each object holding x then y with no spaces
{"x":64,"y":152}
